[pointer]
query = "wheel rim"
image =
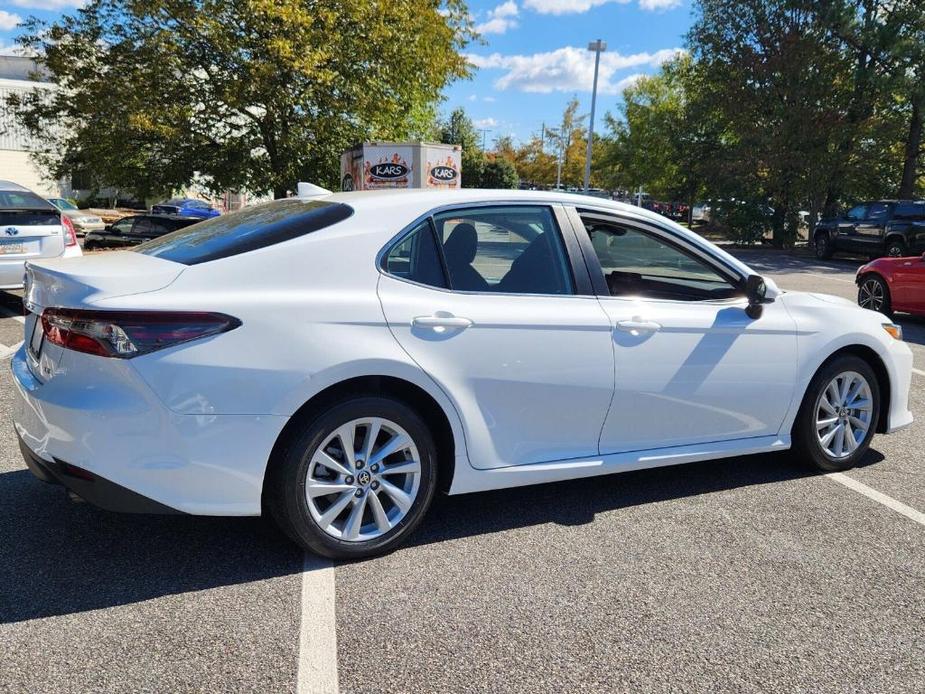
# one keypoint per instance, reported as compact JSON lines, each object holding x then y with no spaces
{"x":871,"y":295}
{"x":363,"y":479}
{"x":843,"y":414}
{"x":894,"y":251}
{"x":821,"y":243}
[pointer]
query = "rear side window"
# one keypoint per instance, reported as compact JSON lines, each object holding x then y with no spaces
{"x":246,"y":230}
{"x":910,"y":210}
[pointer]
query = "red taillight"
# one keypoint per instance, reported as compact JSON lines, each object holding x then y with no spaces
{"x":127,"y":334}
{"x":70,"y":234}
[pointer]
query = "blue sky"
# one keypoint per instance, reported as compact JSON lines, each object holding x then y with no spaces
{"x":534,"y":57}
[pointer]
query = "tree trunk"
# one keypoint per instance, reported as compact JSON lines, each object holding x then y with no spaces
{"x":913,"y":149}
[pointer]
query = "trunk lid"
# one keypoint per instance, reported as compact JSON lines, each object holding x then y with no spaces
{"x":81,"y":282}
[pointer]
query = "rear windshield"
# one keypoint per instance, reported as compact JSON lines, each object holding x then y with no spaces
{"x":247,"y":230}
{"x":23,"y":200}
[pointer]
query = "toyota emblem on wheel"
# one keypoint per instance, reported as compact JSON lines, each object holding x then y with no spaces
{"x":11,"y":231}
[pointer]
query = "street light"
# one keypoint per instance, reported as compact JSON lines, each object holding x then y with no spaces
{"x":598,"y":47}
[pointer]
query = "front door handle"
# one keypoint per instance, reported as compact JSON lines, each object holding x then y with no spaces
{"x":441,"y":321}
{"x":638,"y":326}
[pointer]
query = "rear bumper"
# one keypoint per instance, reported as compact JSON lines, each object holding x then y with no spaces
{"x":97,"y":490}
{"x":98,"y":415}
{"x":12,"y":273}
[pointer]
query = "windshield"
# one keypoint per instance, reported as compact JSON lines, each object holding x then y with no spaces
{"x":246,"y":230}
{"x":63,"y":204}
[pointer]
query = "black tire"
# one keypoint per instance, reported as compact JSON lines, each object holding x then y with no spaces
{"x":896,"y":248}
{"x":875,"y":295}
{"x":822,"y":243}
{"x":286,"y":479}
{"x":805,"y":442}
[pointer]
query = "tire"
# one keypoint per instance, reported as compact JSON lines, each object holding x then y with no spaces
{"x":822,"y":243}
{"x":382,"y":523}
{"x":807,"y":445}
{"x":895,"y":248}
{"x":875,"y":295}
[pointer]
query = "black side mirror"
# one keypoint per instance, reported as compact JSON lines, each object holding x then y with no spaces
{"x":756,"y":291}
{"x":108,"y":227}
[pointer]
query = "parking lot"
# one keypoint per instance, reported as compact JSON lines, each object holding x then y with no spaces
{"x":747,"y":574}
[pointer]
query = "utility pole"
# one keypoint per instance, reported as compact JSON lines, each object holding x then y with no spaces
{"x":484,"y":132}
{"x":543,"y":138}
{"x":598,"y":47}
{"x":559,"y":165}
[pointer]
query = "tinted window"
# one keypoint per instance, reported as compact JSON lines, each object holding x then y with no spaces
{"x":857,"y":212}
{"x":416,"y":258}
{"x":515,"y":250}
{"x":23,"y":200}
{"x":877,"y":211}
{"x":143,"y":225}
{"x":910,"y":210}
{"x":124,"y":225}
{"x":637,"y":264}
{"x":246,"y":230}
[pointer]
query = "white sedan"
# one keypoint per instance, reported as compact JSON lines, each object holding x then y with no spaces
{"x":335,"y":361}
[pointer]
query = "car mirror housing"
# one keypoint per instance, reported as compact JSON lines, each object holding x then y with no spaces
{"x":756,"y":291}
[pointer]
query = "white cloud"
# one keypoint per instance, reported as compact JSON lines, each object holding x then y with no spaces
{"x":500,"y":19}
{"x":566,"y":69}
{"x":488,"y":99}
{"x":485,"y":123}
{"x":8,"y":20}
{"x":49,"y":4}
{"x":580,"y":6}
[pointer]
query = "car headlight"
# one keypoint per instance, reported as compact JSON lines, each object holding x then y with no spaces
{"x":894,"y":330}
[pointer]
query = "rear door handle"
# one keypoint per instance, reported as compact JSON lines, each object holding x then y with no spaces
{"x":637,"y":326}
{"x":438,"y":321}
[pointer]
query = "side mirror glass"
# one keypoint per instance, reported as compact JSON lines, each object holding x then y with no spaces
{"x":756,"y":291}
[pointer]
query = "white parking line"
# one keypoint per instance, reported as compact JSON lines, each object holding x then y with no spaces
{"x":4,"y":311}
{"x":9,"y":351}
{"x":318,"y":630}
{"x":918,"y":371}
{"x":879,"y":497}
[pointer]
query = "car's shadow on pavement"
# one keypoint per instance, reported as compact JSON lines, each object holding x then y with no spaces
{"x":58,"y":557}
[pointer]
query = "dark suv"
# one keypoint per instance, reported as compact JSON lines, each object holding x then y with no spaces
{"x":132,"y":230}
{"x":883,"y":227}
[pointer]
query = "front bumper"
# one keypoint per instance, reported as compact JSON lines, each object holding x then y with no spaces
{"x":99,"y":416}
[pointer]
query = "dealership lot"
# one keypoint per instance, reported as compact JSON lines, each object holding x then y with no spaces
{"x":735,"y":575}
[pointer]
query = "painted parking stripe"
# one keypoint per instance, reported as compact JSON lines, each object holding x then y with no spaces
{"x":4,"y":311}
{"x":9,"y":351}
{"x":318,"y":630}
{"x":918,"y":371}
{"x":879,"y":497}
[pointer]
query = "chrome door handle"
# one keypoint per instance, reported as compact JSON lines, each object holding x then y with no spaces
{"x":637,"y":326}
{"x":441,"y":322}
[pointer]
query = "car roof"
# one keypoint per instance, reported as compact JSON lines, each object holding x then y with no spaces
{"x":10,"y":186}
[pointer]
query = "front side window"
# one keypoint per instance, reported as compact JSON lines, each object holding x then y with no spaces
{"x":857,"y":213}
{"x":505,"y":249}
{"x":636,"y":264}
{"x":877,"y":211}
{"x":124,"y":225}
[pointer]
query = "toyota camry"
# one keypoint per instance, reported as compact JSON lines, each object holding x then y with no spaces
{"x":335,"y":361}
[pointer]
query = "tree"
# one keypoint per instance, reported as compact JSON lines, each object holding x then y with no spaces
{"x":499,"y":172}
{"x":458,"y":129}
{"x":254,"y":95}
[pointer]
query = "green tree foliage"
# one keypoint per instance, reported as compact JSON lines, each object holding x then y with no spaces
{"x":458,"y":129}
{"x":499,"y":172}
{"x":252,"y":94}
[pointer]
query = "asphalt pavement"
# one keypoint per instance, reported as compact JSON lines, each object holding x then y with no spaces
{"x":748,"y":574}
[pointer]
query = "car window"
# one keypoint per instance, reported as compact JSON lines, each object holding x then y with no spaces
{"x":62,"y":204}
{"x":857,"y":213}
{"x":877,"y":211}
{"x":910,"y":210}
{"x":511,"y":249}
{"x":23,"y":200}
{"x":143,"y":225}
{"x":248,"y":229}
{"x":123,"y":225}
{"x":416,"y":258}
{"x":640,"y":265}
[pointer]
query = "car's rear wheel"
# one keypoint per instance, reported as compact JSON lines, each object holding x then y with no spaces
{"x":896,"y":248}
{"x":874,"y":294}
{"x":355,"y":481}
{"x":838,"y":417}
{"x":822,"y":243}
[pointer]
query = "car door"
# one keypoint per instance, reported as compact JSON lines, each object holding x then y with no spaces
{"x":495,"y":304}
{"x":869,"y":232}
{"x":847,"y":228}
{"x":120,"y":231}
{"x":691,"y":366}
{"x":908,"y":284}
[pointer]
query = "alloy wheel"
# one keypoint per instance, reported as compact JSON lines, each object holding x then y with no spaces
{"x":844,"y":411}
{"x":363,"y":479}
{"x":871,"y":295}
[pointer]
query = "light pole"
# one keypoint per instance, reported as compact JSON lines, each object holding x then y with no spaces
{"x":598,"y":47}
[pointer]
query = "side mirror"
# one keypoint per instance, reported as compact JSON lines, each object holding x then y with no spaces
{"x":756,"y":291}
{"x":108,"y":227}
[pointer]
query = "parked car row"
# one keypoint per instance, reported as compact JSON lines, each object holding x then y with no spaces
{"x":136,"y":228}
{"x":893,"y":228}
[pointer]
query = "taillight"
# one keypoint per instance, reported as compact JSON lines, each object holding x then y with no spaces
{"x":70,"y":233}
{"x":127,"y":334}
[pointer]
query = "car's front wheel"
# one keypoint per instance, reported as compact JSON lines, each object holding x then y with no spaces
{"x":874,"y":294}
{"x":355,"y":481}
{"x":838,"y":417}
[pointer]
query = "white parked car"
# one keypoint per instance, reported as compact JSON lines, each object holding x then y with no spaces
{"x":31,"y":228}
{"x":336,"y":361}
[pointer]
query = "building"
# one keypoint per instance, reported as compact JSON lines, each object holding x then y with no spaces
{"x":21,"y":75}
